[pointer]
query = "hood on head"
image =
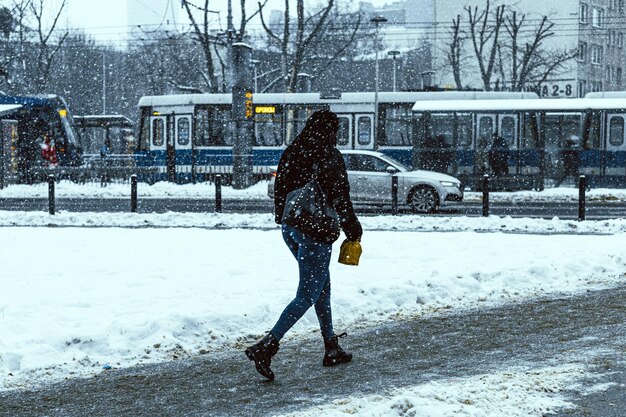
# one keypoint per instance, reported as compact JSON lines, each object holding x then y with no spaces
{"x":320,"y":130}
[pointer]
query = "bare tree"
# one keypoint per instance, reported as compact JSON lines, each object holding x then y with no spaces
{"x":485,"y":38}
{"x":455,"y":50}
{"x":517,"y":53}
{"x":529,"y":63}
{"x":46,"y":48}
{"x":211,"y":43}
{"x":297,"y":49}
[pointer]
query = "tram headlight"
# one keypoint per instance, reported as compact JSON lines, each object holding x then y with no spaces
{"x":449,"y":184}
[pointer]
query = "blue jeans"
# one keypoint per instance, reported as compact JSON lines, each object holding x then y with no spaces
{"x":314,"y":287}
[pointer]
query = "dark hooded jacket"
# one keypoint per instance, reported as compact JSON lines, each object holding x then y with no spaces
{"x":316,"y":144}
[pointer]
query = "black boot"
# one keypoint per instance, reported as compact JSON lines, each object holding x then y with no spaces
{"x":261,"y":353}
{"x":334,"y":353}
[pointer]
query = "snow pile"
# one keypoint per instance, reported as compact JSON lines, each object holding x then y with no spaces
{"x":74,"y":300}
{"x":68,"y":189}
{"x":405,"y":223}
{"x":511,"y":393}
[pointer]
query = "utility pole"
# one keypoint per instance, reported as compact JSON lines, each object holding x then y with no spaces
{"x":230,"y":39}
{"x":104,"y":84}
{"x":377,"y":21}
{"x":243,"y":116}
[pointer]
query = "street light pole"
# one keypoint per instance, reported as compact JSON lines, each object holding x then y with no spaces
{"x":394,"y":54}
{"x":255,"y":62}
{"x":377,"y":21}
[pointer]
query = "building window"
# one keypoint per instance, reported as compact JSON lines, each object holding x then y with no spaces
{"x":597,"y":17}
{"x":596,"y":86}
{"x":618,"y":75}
{"x":584,"y":12}
{"x":620,"y":40}
{"x":621,"y":6}
{"x":609,"y":38}
{"x":612,"y":4}
{"x":582,"y":51}
{"x":596,"y":54}
{"x":609,"y":78}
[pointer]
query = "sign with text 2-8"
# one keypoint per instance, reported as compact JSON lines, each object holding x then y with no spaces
{"x":557,"y":89}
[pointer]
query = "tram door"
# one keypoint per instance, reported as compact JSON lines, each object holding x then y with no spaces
{"x":507,"y":130}
{"x":182,"y":143}
{"x":616,"y":145}
{"x":356,"y":131}
{"x":485,"y":128}
{"x":162,"y":144}
{"x":505,"y":126}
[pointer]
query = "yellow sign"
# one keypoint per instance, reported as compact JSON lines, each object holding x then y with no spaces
{"x":63,"y":113}
{"x":248,"y":104}
{"x":265,"y":109}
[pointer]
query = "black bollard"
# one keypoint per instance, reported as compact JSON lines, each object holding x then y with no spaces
{"x":486,"y":195}
{"x":133,"y":193}
{"x":51,"y":194}
{"x":582,"y":186}
{"x":218,"y":193}
{"x":394,"y":195}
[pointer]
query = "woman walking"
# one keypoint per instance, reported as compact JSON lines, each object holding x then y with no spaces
{"x":314,"y":147}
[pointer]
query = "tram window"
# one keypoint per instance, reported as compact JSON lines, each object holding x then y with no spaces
{"x":364,"y":129}
{"x":295,"y":120}
{"x":507,"y":129}
{"x":213,"y":127}
{"x":343,"y":134}
{"x":144,"y":135}
{"x":157,"y":132}
{"x":396,"y":127}
{"x":442,"y":125}
{"x":485,"y":131}
{"x":529,"y":139}
{"x":560,"y":127}
{"x":593,"y":142}
{"x":616,"y":134}
{"x":268,"y":129}
{"x":183,"y":131}
{"x":464,"y":130}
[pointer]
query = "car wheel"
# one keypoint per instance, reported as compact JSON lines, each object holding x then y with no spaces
{"x":423,"y":199}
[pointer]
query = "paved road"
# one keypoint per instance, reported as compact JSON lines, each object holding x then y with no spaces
{"x":397,"y":354}
{"x":595,"y":210}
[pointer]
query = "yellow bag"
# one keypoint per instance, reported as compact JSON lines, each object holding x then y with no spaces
{"x":350,"y":252}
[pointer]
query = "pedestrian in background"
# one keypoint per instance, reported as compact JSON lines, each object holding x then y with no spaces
{"x":498,"y":156}
{"x":315,"y":145}
{"x":571,"y":159}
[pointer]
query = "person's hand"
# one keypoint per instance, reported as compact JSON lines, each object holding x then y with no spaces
{"x":353,"y":231}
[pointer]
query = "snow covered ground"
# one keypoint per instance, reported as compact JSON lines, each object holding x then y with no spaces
{"x":76,"y":300}
{"x":97,"y":290}
{"x":519,"y":392}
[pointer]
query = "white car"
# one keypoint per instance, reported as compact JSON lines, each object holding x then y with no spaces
{"x":370,"y":176}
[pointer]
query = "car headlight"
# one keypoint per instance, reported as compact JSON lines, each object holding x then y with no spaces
{"x":449,"y":184}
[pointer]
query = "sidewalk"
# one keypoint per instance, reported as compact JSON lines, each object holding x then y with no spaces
{"x":586,"y":331}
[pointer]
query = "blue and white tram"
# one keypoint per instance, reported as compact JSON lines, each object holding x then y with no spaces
{"x":537,"y":132}
{"x":194,"y":132}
